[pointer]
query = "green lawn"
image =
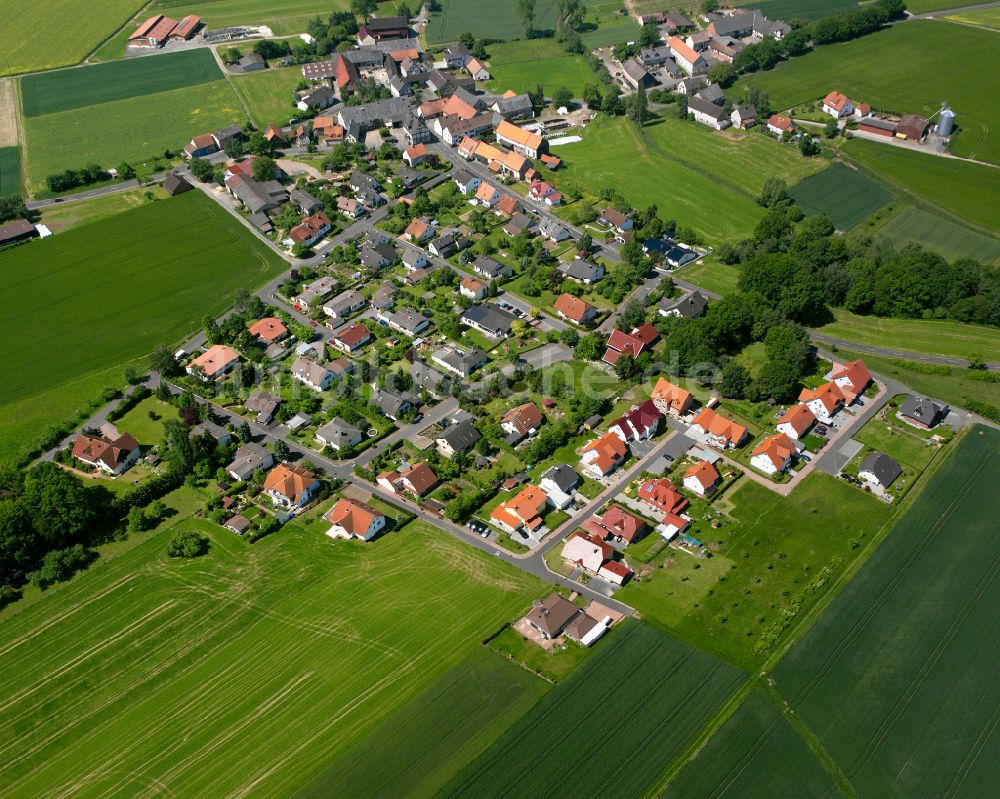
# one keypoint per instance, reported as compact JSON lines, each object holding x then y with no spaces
{"x":845,"y":195}
{"x":70,"y":30}
{"x":283,"y":17}
{"x":126,"y":130}
{"x":712,"y":276}
{"x":295,"y":647}
{"x":891,"y":677}
{"x":268,"y":94}
{"x":926,"y":336}
{"x":933,"y":232}
{"x":116,"y":288}
{"x":555,"y":665}
{"x":902,"y":83}
{"x":147,"y":430}
{"x":520,"y":66}
{"x":770,"y":550}
{"x":63,"y":216}
{"x":611,"y":728}
{"x":892,"y":439}
{"x":10,"y":171}
{"x":51,"y":92}
{"x":967,"y":192}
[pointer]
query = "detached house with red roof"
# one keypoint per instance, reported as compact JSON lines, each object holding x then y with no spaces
{"x":351,"y":339}
{"x":472,"y":288}
{"x":574,"y":309}
{"x":587,"y":552}
{"x":310,"y":230}
{"x":838,"y":105}
{"x":349,"y":519}
{"x":671,"y":399}
{"x":200,"y":146}
{"x":214,"y":362}
{"x":618,"y":523}
{"x":520,"y":422}
{"x":702,"y":478}
{"x":852,"y":379}
{"x":522,"y":511}
{"x":774,"y":454}
{"x":111,"y":455}
{"x":290,"y":486}
{"x":796,"y":421}
{"x":661,"y":494}
{"x":621,"y":343}
{"x":718,"y":430}
{"x":641,"y":423}
{"x":780,"y":125}
{"x":417,"y":479}
{"x":824,"y":402}
{"x":268,"y":330}
{"x":603,"y":455}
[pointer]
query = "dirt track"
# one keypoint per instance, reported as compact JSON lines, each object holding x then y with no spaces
{"x":8,"y":114}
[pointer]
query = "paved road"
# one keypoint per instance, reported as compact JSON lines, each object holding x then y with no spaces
{"x":946,"y":11}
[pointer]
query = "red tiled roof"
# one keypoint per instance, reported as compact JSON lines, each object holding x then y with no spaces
{"x":704,"y":473}
{"x":799,"y":417}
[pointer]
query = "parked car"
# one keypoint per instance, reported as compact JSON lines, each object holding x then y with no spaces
{"x":821,"y":430}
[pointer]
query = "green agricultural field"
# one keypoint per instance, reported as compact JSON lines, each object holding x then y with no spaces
{"x":789,"y":10}
{"x":63,"y":216}
{"x":283,"y":17}
{"x":968,"y":192}
{"x":51,"y":92}
{"x":923,"y":6}
{"x":472,"y":704}
{"x":520,"y":66}
{"x":775,"y":555}
{"x":10,"y":172}
{"x":987,"y":17}
{"x":115,"y":288}
{"x":126,"y":130}
{"x":944,"y":337}
{"x":755,"y":753}
{"x":845,"y":195}
{"x":613,"y":154}
{"x":893,"y":679}
{"x":69,"y":31}
{"x":932,"y":232}
{"x":604,"y":25}
{"x":903,"y":82}
{"x":268,"y":94}
{"x":247,"y":671}
{"x":611,"y":728}
{"x":493,"y":21}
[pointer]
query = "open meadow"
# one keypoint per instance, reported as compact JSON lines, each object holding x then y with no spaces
{"x":495,"y":20}
{"x":605,"y":25}
{"x":774,"y":557}
{"x":127,"y":130}
{"x":268,"y":95}
{"x":246,"y":671}
{"x":905,"y":82}
{"x":987,"y":17}
{"x":51,"y":92}
{"x":63,"y":216}
{"x":522,"y":65}
{"x":283,"y":17}
{"x":68,"y":31}
{"x":845,"y":195}
{"x":108,"y":292}
{"x":894,"y":678}
{"x":969,"y":193}
{"x":10,"y":172}
{"x":789,"y":10}
{"x":933,"y":232}
{"x":755,"y":753}
{"x":611,"y":728}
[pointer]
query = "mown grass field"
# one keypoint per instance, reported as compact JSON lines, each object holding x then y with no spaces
{"x":494,"y":20}
{"x":70,"y":29}
{"x":789,"y":10}
{"x":114,"y":289}
{"x":243,"y":672}
{"x":472,"y":704}
{"x":895,"y":677}
{"x":712,"y":276}
{"x":926,"y":336}
{"x":520,"y":66}
{"x":903,"y":82}
{"x":127,"y":130}
{"x":52,"y":92}
{"x":693,"y":175}
{"x":611,"y":728}
{"x":923,"y":6}
{"x":603,"y":25}
{"x":932,"y":232}
{"x":63,"y":216}
{"x":771,"y":549}
{"x":283,"y":17}
{"x":969,"y":192}
{"x":845,"y":195}
{"x":756,"y":753}
{"x":268,"y":94}
{"x":987,"y":17}
{"x":10,"y":172}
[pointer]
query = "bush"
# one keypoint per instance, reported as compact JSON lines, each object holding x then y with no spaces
{"x":187,"y":544}
{"x":61,"y":564}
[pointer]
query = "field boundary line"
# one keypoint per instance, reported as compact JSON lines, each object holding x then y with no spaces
{"x":86,"y":58}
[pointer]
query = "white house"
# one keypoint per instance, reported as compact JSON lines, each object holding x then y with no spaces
{"x":350,"y":519}
{"x":311,"y":374}
{"x":701,"y":478}
{"x":773,"y":454}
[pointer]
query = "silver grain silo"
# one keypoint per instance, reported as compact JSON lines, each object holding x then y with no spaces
{"x":946,"y":122}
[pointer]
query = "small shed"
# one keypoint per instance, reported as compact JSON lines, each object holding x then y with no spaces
{"x":175,"y":184}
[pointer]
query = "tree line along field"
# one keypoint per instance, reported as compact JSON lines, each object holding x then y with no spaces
{"x":521,"y":65}
{"x":131,"y":130}
{"x":283,"y":17}
{"x":895,"y":70}
{"x":844,"y":194}
{"x":51,"y":92}
{"x":895,"y":679}
{"x":110,"y":291}
{"x":696,"y":177}
{"x":243,"y":672}
{"x":932,"y":232}
{"x":69,"y":31}
{"x":611,"y":728}
{"x":10,"y":172}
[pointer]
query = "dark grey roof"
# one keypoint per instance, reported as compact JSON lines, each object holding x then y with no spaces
{"x":746,"y":111}
{"x":584,"y":270}
{"x":338,"y":433}
{"x":303,"y":199}
{"x":922,"y":409}
{"x":885,"y":469}
{"x":636,"y":71}
{"x":490,"y":267}
{"x":688,"y":306}
{"x":490,"y":317}
{"x":563,"y":476}
{"x":461,"y":436}
{"x":218,"y":433}
{"x":712,"y":94}
{"x":426,"y":377}
{"x":709,"y":109}
{"x":393,"y":404}
{"x":374,"y":114}
{"x":263,"y":402}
